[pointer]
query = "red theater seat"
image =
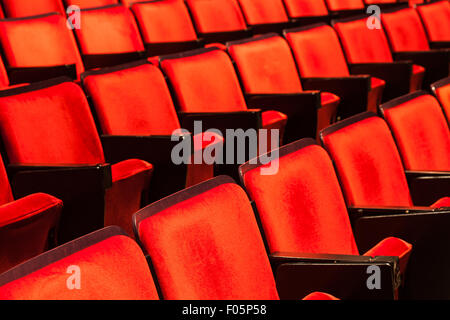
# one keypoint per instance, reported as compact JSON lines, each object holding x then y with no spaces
{"x":27,"y":225}
{"x":39,"y":48}
{"x":367,"y":52}
{"x":138,"y":119}
{"x":269,"y":76}
{"x":306,"y":11}
{"x":166,"y":26}
{"x":218,"y":21}
{"x":51,"y":139}
{"x":420,"y":130}
{"x":310,"y":47}
{"x":26,"y":8}
{"x":369,"y":165}
{"x":441,"y":89}
{"x":302,"y":209}
{"x":409,"y":41}
{"x":436,"y":21}
{"x":108,"y":36}
{"x":206,"y":88}
{"x":345,"y":7}
{"x":204,"y":243}
{"x":110,"y":266}
{"x":265,"y":16}
{"x":85,"y":4}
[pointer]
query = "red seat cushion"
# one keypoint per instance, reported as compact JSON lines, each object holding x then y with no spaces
{"x":328,"y":98}
{"x":442,"y":92}
{"x":392,"y":247}
{"x":376,"y":83}
{"x":132,"y":100}
{"x":418,"y":69}
{"x":164,"y":21}
{"x":405,"y":30}
{"x":217,"y":16}
{"x":194,"y":81}
{"x":339,"y":5}
{"x":368,"y":163}
{"x":84,"y":4}
{"x":111,"y":265}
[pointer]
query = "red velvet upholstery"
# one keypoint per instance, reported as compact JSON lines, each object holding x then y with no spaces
{"x":368,"y":163}
{"x":421,"y":132}
{"x":311,"y":49}
{"x":442,"y":93}
{"x":25,"y":224}
{"x":194,"y":80}
{"x":305,"y":8}
{"x":111,"y":267}
{"x":362,"y":45}
{"x":320,"y":296}
{"x":266,"y":66}
{"x":132,"y":101}
{"x":436,"y":20}
{"x":405,"y":30}
{"x":26,"y":8}
{"x":204,"y":243}
{"x":164,"y":21}
{"x":301,"y":207}
{"x":263,"y":12}
{"x":48,"y":42}
{"x":107,"y":30}
{"x":379,"y":1}
{"x":216,"y":16}
{"x":51,"y":123}
{"x":84,"y":4}
{"x":341,"y":5}
{"x":441,"y":203}
{"x":25,"y":227}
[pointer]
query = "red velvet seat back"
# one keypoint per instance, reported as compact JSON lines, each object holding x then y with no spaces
{"x":26,"y":8}
{"x":4,"y":81}
{"x":339,"y":5}
{"x":266,"y":65}
{"x":442,"y":91}
{"x":367,"y":162}
{"x":379,"y":1}
{"x":311,"y":49}
{"x":436,"y":20}
{"x":49,"y":123}
{"x":40,"y":41}
{"x":262,"y":12}
{"x":405,"y":30}
{"x":109,"y":29}
{"x":84,"y":4}
{"x":164,"y":21}
{"x":305,"y":8}
{"x":111,"y":266}
{"x":301,"y":207}
{"x":132,"y":100}
{"x":420,"y":130}
{"x":362,"y":45}
{"x":204,"y":243}
{"x":216,"y":16}
{"x":204,"y":81}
